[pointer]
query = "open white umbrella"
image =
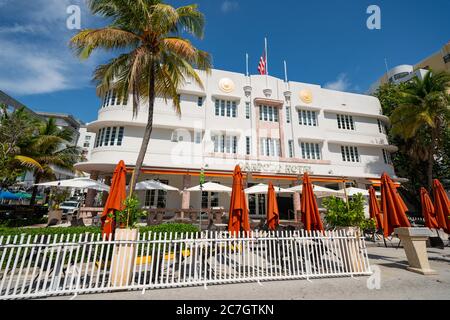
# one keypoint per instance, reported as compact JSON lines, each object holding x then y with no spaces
{"x":354,"y":191}
{"x":210,"y":187}
{"x":77,"y":183}
{"x":263,"y":189}
{"x":320,"y":192}
{"x":154,"y":185}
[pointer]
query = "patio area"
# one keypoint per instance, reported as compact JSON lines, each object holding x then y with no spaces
{"x":395,"y":284}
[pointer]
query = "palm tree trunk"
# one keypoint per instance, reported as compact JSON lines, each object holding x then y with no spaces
{"x":35,"y":190}
{"x":147,"y":133}
{"x":431,"y":160}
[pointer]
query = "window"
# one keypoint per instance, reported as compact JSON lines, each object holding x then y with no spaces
{"x":107,"y":137}
{"x":291,"y":148}
{"x":350,"y":154}
{"x":310,"y":151}
{"x":120,"y":136}
{"x":86,"y":145}
{"x":156,"y":198}
{"x":248,"y":146}
{"x":198,"y":137}
{"x":113,"y":136}
{"x":113,"y":98}
{"x":225,"y":108}
{"x":267,"y":113}
{"x":225,"y":144}
{"x":200,"y":101}
{"x":102,"y":136}
{"x":210,"y":199}
{"x":97,"y":140}
{"x":387,"y":157}
{"x":307,"y":118}
{"x":247,"y":110}
{"x":270,"y":147}
{"x":345,"y":122}
{"x":288,"y":114}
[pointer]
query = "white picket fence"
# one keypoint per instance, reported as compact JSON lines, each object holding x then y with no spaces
{"x":42,"y":266}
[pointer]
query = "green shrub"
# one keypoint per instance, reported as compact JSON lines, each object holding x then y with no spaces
{"x":341,"y":214}
{"x":171,"y":227}
{"x":17,"y":223}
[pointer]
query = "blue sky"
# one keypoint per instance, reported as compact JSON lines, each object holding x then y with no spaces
{"x":325,"y":42}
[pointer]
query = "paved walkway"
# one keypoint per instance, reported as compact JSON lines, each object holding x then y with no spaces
{"x":396,"y":283}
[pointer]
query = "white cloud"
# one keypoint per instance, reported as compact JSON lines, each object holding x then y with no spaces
{"x":342,"y":83}
{"x":35,"y":57}
{"x":228,"y":6}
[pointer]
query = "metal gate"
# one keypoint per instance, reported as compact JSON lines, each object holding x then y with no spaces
{"x":41,"y":266}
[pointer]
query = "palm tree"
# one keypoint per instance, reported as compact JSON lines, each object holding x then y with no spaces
{"x":50,"y":148}
{"x":157,"y":59}
{"x":423,"y":116}
{"x":16,"y":128}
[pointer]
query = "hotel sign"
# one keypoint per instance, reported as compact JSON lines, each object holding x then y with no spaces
{"x":279,"y":168}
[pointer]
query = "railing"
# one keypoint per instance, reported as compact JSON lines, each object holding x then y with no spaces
{"x":41,"y":266}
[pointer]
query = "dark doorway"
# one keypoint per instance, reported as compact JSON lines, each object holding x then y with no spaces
{"x":286,"y":208}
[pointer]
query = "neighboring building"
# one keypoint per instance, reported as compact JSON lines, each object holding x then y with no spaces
{"x":275,"y":130}
{"x":65,"y":121}
{"x":86,"y":141}
{"x":439,"y":61}
{"x":62,"y":120}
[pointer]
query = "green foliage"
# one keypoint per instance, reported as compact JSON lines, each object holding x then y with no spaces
{"x":420,"y":116}
{"x":17,"y":223}
{"x":342,"y":214}
{"x":164,"y":228}
{"x":16,"y":128}
{"x":132,"y":212}
{"x":173,"y":227}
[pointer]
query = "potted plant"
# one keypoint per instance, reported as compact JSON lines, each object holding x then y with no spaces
{"x":130,"y":215}
{"x":348,"y":215}
{"x":126,"y":233}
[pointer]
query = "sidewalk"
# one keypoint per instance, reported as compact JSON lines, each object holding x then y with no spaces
{"x":396,"y":283}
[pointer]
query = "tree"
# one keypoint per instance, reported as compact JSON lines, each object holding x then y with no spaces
{"x":16,"y":128}
{"x":157,"y":59}
{"x":423,"y":116}
{"x":50,"y":148}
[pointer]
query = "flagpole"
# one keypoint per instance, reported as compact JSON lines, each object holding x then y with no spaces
{"x":246,"y":64}
{"x":267,"y":62}
{"x":285,"y":72}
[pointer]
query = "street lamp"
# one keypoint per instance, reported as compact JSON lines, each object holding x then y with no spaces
{"x":202,"y":181}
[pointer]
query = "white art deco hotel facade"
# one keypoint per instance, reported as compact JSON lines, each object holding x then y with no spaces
{"x":275,"y":130}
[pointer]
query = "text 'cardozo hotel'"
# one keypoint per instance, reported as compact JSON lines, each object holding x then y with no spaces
{"x":275,"y":130}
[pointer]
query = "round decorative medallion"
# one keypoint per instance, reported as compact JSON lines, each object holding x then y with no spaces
{"x":226,"y":85}
{"x":306,"y":96}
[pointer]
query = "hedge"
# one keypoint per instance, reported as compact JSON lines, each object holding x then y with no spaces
{"x":169,"y":227}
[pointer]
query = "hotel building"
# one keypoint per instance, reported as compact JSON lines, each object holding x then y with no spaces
{"x":275,"y":130}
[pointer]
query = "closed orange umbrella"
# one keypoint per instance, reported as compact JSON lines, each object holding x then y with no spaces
{"x":374,"y":209}
{"x":309,"y":208}
{"x":116,"y":198}
{"x":238,"y":215}
{"x":428,"y":210}
{"x":273,"y":215}
{"x":393,"y":207}
{"x":442,"y":206}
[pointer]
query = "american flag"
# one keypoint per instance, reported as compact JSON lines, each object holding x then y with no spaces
{"x":262,"y":67}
